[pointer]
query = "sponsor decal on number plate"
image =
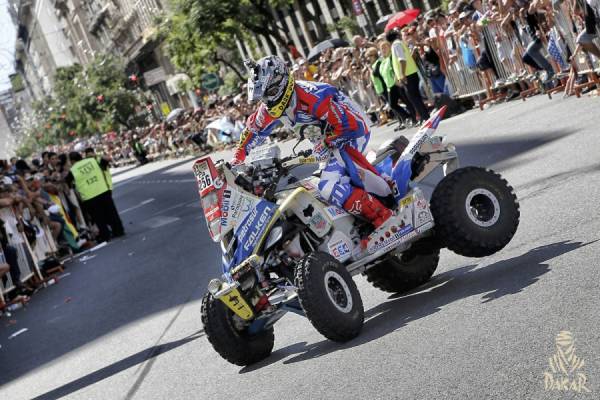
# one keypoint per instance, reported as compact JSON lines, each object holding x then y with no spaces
{"x":203,"y":176}
{"x":237,"y":304}
{"x":422,"y":218}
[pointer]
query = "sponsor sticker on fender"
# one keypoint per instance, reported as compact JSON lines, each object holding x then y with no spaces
{"x":318,"y":221}
{"x":336,"y":212}
{"x":406,"y":201}
{"x":340,"y":250}
{"x":400,"y":236}
{"x":234,"y":207}
{"x":423,"y":217}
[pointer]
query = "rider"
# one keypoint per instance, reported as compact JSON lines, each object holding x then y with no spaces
{"x":348,"y":177}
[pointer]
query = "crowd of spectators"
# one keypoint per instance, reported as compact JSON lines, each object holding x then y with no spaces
{"x":37,"y":202}
{"x":188,"y":132}
{"x":473,"y":49}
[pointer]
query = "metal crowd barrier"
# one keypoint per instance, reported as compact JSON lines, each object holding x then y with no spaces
{"x":30,"y":258}
{"x":25,"y":257}
{"x":505,"y":46}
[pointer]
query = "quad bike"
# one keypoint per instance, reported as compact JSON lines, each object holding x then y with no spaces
{"x":287,"y":250}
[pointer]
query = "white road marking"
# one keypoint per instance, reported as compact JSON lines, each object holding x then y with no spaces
{"x":161,"y":181}
{"x":170,"y":208}
{"x":143,"y":203}
{"x":159,"y":221}
{"x":17,"y":333}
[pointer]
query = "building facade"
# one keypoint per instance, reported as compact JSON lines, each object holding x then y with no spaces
{"x":41,"y":46}
{"x":308,"y":22}
{"x":126,"y":28}
{"x":58,"y":33}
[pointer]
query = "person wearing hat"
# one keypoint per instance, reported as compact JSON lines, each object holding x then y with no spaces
{"x":89,"y":180}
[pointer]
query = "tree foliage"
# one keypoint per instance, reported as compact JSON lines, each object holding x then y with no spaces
{"x":86,"y":101}
{"x":346,"y":25}
{"x":236,"y":16}
{"x":193,"y":51}
{"x":201,"y":35}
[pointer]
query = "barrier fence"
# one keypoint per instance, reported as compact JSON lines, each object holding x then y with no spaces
{"x":31,"y":253}
{"x":499,"y":54}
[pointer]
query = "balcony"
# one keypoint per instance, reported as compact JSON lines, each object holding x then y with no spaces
{"x":99,"y":19}
{"x":62,"y":8}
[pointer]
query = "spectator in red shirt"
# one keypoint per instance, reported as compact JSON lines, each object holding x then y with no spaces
{"x":293,"y":50}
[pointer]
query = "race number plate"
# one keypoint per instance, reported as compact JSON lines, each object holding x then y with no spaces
{"x":202,"y":172}
{"x":237,"y":304}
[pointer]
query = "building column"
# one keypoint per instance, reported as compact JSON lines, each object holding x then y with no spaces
{"x":339,"y":8}
{"x":293,"y":31}
{"x":377,"y":9}
{"x":240,"y":48}
{"x":266,"y":50}
{"x":327,"y":14}
{"x":303,"y":27}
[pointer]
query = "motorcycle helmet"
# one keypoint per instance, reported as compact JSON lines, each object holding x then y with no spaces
{"x":270,"y":81}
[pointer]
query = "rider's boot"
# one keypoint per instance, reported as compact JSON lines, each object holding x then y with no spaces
{"x":363,"y":204}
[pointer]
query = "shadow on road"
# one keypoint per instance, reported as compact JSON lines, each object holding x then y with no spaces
{"x":541,"y":185}
{"x":493,"y":281}
{"x":90,"y":379}
{"x":143,"y":276}
{"x":499,"y":151}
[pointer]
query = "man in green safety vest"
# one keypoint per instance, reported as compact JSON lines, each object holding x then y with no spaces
{"x":104,"y":164}
{"x":407,"y":73}
{"x":95,"y":193}
{"x":394,"y":91}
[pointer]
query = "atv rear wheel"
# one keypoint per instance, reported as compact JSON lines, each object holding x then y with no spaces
{"x":476,"y":212}
{"x":329,"y":297}
{"x":404,"y":272}
{"x":230,"y":338}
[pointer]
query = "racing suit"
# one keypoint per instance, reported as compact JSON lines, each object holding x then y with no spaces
{"x":347,"y":178}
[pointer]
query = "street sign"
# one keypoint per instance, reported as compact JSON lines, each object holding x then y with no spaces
{"x":155,"y":76}
{"x":210,"y":81}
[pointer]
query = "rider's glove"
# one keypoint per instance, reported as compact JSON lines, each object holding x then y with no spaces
{"x":239,"y":156}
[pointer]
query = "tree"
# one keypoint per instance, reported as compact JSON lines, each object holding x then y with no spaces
{"x":235,"y":16}
{"x":348,"y":25}
{"x":192,"y":51}
{"x":85,"y":101}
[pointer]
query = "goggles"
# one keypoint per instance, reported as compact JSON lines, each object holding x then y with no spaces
{"x":277,"y":109}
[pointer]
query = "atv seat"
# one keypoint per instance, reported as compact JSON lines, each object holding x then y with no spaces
{"x":393,"y":148}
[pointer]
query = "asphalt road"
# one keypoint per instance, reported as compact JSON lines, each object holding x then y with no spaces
{"x":126,"y":322}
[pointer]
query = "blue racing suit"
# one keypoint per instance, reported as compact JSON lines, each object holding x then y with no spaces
{"x":315,"y":103}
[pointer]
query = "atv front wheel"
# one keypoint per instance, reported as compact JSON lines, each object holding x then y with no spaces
{"x":476,"y":212}
{"x":329,"y":297}
{"x":229,"y":337}
{"x":404,"y":272}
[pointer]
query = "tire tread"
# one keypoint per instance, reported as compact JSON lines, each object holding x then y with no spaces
{"x":451,"y":232}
